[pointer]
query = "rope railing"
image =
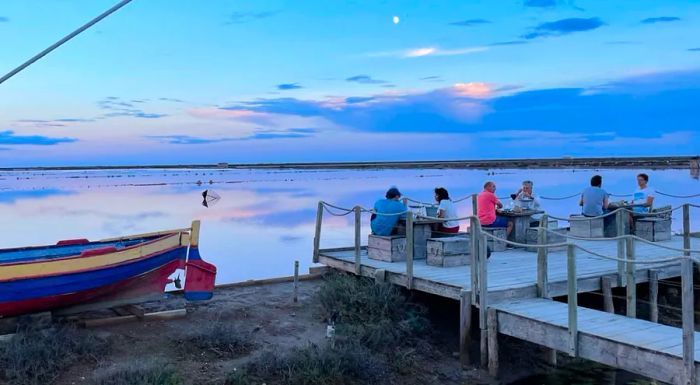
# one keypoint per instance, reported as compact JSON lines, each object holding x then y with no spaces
{"x":559,"y":198}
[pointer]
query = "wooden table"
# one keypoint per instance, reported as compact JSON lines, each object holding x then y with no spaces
{"x":422,"y":230}
{"x":521,"y":222}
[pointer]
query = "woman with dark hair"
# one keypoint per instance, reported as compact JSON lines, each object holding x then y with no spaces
{"x":446,"y":210}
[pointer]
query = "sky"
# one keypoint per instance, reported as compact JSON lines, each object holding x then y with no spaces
{"x":187,"y":81}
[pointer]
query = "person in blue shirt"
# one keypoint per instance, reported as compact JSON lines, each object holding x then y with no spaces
{"x":389,"y":224}
{"x":594,"y":200}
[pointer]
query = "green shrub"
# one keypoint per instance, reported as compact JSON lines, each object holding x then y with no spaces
{"x":37,"y":356}
{"x":223,"y":338}
{"x":313,"y":365}
{"x":151,"y":372}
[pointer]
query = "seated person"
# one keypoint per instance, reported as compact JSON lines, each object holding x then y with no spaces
{"x":486,"y":204}
{"x":525,"y":199}
{"x":594,"y":200}
{"x":446,"y":209}
{"x":389,"y":224}
{"x":644,"y":195}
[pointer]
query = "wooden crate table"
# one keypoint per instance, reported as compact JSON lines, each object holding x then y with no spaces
{"x":391,"y":248}
{"x":589,"y":228}
{"x":521,"y":223}
{"x":653,"y":229}
{"x":449,"y":251}
{"x":493,"y":244}
{"x":556,"y":235}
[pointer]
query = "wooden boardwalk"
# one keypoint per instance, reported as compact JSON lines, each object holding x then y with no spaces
{"x":513,"y":273}
{"x":513,"y":306}
{"x":635,"y":345}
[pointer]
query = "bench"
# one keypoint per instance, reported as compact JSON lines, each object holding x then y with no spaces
{"x":654,"y":227}
{"x":590,"y":228}
{"x":449,"y":251}
{"x":559,"y":237}
{"x":499,"y":232}
{"x":390,"y":248}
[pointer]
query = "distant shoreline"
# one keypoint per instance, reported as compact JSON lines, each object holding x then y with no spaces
{"x":683,"y":162}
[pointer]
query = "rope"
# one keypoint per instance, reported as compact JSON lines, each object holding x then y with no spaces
{"x":678,"y":196}
{"x":489,"y":235}
{"x":335,"y":207}
{"x":626,"y":236}
{"x":328,"y":210}
{"x":645,"y":261}
{"x":560,"y":198}
{"x":582,"y":218}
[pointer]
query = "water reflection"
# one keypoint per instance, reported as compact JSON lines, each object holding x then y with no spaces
{"x":265,"y":218}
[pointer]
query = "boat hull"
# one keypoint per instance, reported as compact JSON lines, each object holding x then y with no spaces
{"x":95,"y":275}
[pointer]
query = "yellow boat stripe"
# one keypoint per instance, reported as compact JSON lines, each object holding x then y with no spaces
{"x":63,"y":266}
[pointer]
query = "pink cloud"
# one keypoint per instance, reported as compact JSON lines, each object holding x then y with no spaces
{"x":474,"y":89}
{"x":218,"y":113}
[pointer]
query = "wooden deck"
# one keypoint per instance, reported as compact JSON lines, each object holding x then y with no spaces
{"x":635,"y":345}
{"x":512,"y":274}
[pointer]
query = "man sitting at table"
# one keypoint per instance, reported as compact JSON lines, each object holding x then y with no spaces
{"x":390,"y":214}
{"x":643,"y":197}
{"x":486,"y":204}
{"x":594,"y":200}
{"x":525,"y":199}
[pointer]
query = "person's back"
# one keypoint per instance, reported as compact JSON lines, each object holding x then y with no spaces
{"x":486,"y":207}
{"x":384,"y":224}
{"x":593,"y":199}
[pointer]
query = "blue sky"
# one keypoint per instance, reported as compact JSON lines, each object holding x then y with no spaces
{"x":187,"y":81}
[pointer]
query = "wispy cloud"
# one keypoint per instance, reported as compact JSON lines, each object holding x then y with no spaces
{"x":10,"y":138}
{"x":289,"y":86}
{"x":174,"y":100}
{"x":118,"y":108}
{"x":694,"y":49}
{"x":365,"y":79}
{"x":246,"y":17}
{"x":4,"y":19}
{"x":512,"y":42}
{"x":564,"y":27}
{"x":469,"y":22}
{"x":51,"y":122}
{"x":622,"y":42}
{"x":434,"y":51}
{"x":660,"y":19}
{"x":427,"y":51}
{"x":434,"y":78}
{"x":261,"y":134}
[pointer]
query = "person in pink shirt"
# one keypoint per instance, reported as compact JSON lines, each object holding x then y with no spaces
{"x":486,"y":204}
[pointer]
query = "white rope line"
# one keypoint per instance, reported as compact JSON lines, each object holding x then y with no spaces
{"x":639,"y":261}
{"x":489,"y":235}
{"x":626,"y":236}
{"x":328,"y":210}
{"x":678,"y":196}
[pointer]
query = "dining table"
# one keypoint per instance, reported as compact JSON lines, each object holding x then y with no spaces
{"x":521,"y":219}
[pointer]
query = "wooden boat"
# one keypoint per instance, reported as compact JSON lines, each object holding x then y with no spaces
{"x":116,"y":271}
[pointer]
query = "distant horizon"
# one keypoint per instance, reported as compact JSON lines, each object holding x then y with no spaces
{"x":291,"y":82}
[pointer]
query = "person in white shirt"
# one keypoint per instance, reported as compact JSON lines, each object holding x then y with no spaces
{"x":527,"y":200}
{"x":446,"y":210}
{"x":643,"y":197}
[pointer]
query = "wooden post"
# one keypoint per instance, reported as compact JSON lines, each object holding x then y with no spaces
{"x":475,"y":231}
{"x":380,"y":276}
{"x":358,"y":231}
{"x":465,"y":327}
{"x":606,"y":284}
{"x":572,"y":299}
{"x":493,"y":342}
{"x":474,"y":207}
{"x":194,"y":234}
{"x":317,"y":234}
{"x":653,"y":295}
{"x":409,"y":250}
{"x":631,"y":284}
{"x":688,"y":312}
{"x":483,"y":303}
{"x":296,"y":281}
{"x":542,"y":276}
{"x":620,"y":248}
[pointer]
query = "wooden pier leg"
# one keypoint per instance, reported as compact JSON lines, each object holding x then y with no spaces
{"x":483,"y":303}
{"x":542,"y":279}
{"x":296,"y":281}
{"x":474,"y":270}
{"x":317,"y":233}
{"x":465,"y":327}
{"x":493,"y":342}
{"x":550,"y":356}
{"x":409,"y":250}
{"x":606,"y":284}
{"x":620,"y":248}
{"x":631,"y":283}
{"x":687,"y":304}
{"x":572,"y":299}
{"x":653,"y":295}
{"x":380,"y":276}
{"x":358,"y":231}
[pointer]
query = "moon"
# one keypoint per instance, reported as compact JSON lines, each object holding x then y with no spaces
{"x":396,"y":20}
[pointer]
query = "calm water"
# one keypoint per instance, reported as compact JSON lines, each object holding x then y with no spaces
{"x":265,"y":218}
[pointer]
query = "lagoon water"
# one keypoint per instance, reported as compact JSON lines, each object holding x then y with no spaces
{"x":264,"y":220}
